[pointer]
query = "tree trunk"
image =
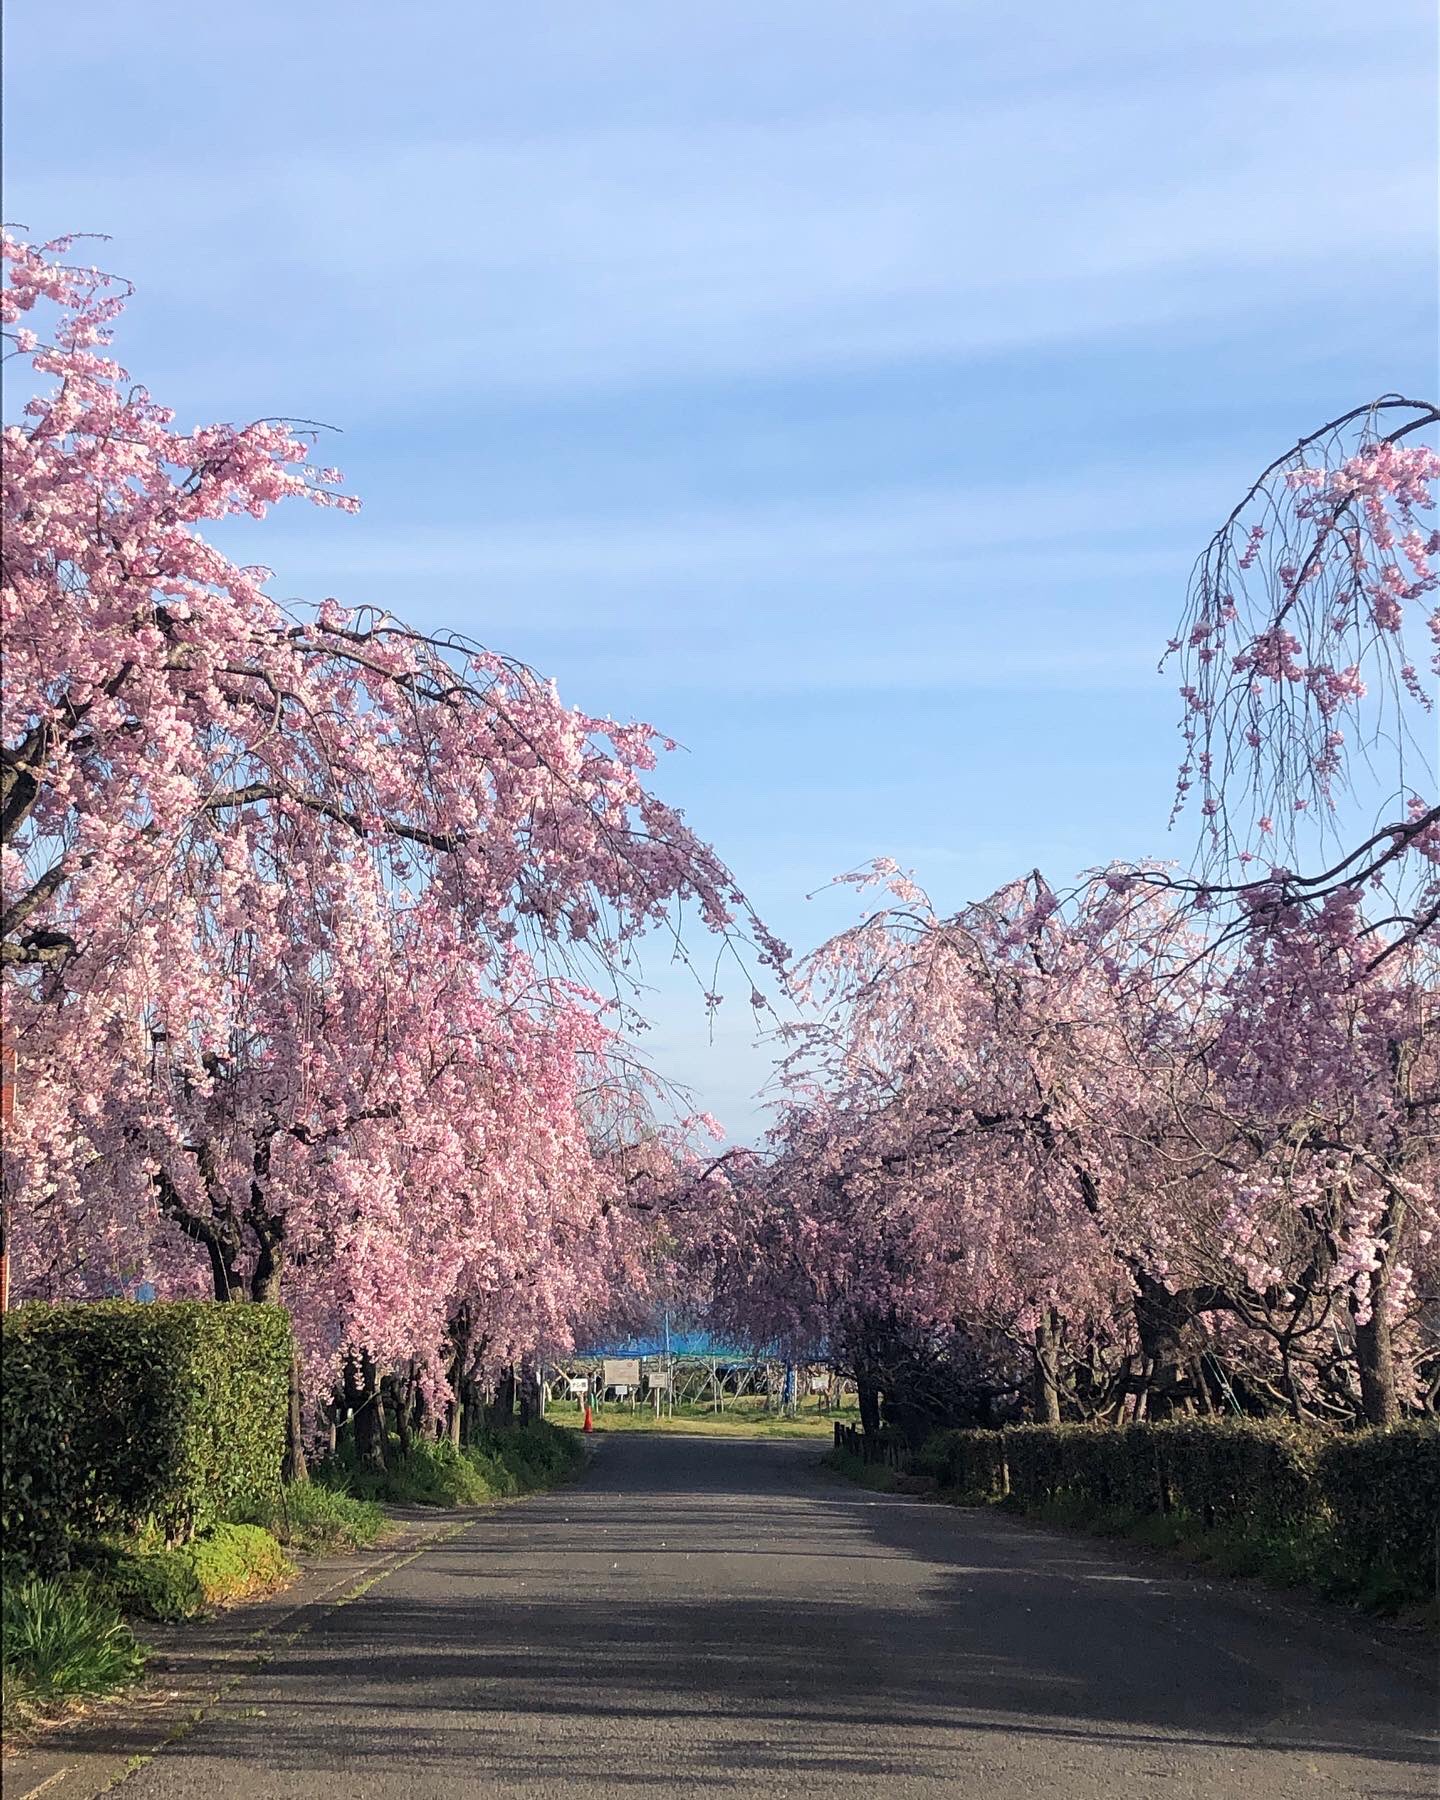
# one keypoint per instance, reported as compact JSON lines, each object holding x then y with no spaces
{"x":1045,"y":1392}
{"x":1172,"y":1339}
{"x":227,"y":1283}
{"x":221,"y":1245}
{"x":265,"y":1290}
{"x":398,"y":1407}
{"x":295,"y":1467}
{"x":268,"y":1270}
{"x":367,"y":1420}
{"x":1374,"y":1350}
{"x":1375,"y":1357}
{"x":529,"y":1393}
{"x":376,"y":1385}
{"x":417,"y":1404}
{"x":460,"y":1351}
{"x":503,"y":1412}
{"x":868,"y":1393}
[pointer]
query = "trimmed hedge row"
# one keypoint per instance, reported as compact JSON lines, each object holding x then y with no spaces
{"x":1382,"y":1489}
{"x":971,"y":1462}
{"x":1376,"y":1492}
{"x":1220,"y":1471}
{"x":119,"y":1415}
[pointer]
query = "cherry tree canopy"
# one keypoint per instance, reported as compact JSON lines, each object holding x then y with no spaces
{"x":317,"y":930}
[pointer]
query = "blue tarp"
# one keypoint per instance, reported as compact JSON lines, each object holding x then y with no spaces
{"x":682,"y":1343}
{"x":696,"y":1343}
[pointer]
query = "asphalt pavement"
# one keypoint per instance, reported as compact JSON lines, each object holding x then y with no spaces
{"x":714,"y":1617}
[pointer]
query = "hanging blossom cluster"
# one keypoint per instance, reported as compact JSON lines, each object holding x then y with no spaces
{"x":309,"y":919}
{"x":1296,"y":661}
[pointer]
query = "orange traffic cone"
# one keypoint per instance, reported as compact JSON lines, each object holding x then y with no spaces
{"x":589,"y":1424}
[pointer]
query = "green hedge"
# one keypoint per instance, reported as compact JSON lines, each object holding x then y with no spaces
{"x":1382,"y":1489}
{"x":1221,"y":1471}
{"x":971,"y":1462}
{"x":119,"y":1415}
{"x":1371,"y":1497}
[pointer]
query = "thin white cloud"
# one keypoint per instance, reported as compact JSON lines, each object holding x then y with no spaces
{"x":504,"y":262}
{"x":1105,"y":520}
{"x":892,"y":588}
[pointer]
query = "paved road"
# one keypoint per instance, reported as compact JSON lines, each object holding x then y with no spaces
{"x":710,"y":1617}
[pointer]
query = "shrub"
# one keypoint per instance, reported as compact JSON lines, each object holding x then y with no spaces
{"x":1260,"y":1472}
{"x":226,"y":1562}
{"x":878,"y":1477}
{"x":970,"y":1462}
{"x":63,"y":1639}
{"x":1382,"y":1489}
{"x":119,"y":1415}
{"x":427,"y":1474}
{"x":529,"y":1457}
{"x":492,"y":1469}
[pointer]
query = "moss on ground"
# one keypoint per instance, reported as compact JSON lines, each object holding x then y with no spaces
{"x":226,"y":1563}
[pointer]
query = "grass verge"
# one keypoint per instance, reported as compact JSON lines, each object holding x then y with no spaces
{"x":226,"y":1563}
{"x":312,"y":1519}
{"x":875,"y":1476}
{"x":63,"y":1642}
{"x":1304,"y":1554}
{"x":495,"y":1466}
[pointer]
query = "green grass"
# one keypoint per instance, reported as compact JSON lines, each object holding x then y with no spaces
{"x":64,"y":1641}
{"x":428,"y":1474}
{"x":738,"y":1420}
{"x":878,"y":1477}
{"x":1303,"y":1554}
{"x":313,"y":1519}
{"x":496,"y":1466}
{"x":228,"y":1562}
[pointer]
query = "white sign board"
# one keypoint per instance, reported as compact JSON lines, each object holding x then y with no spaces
{"x":622,"y":1371}
{"x":819,"y":1384}
{"x":657,"y":1378}
{"x":579,"y":1386}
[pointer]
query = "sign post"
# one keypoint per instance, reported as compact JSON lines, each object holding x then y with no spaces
{"x":621,"y":1372}
{"x":670,"y":1369}
{"x":658,"y":1383}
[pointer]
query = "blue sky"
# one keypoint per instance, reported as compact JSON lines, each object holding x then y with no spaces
{"x":845,"y":388}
